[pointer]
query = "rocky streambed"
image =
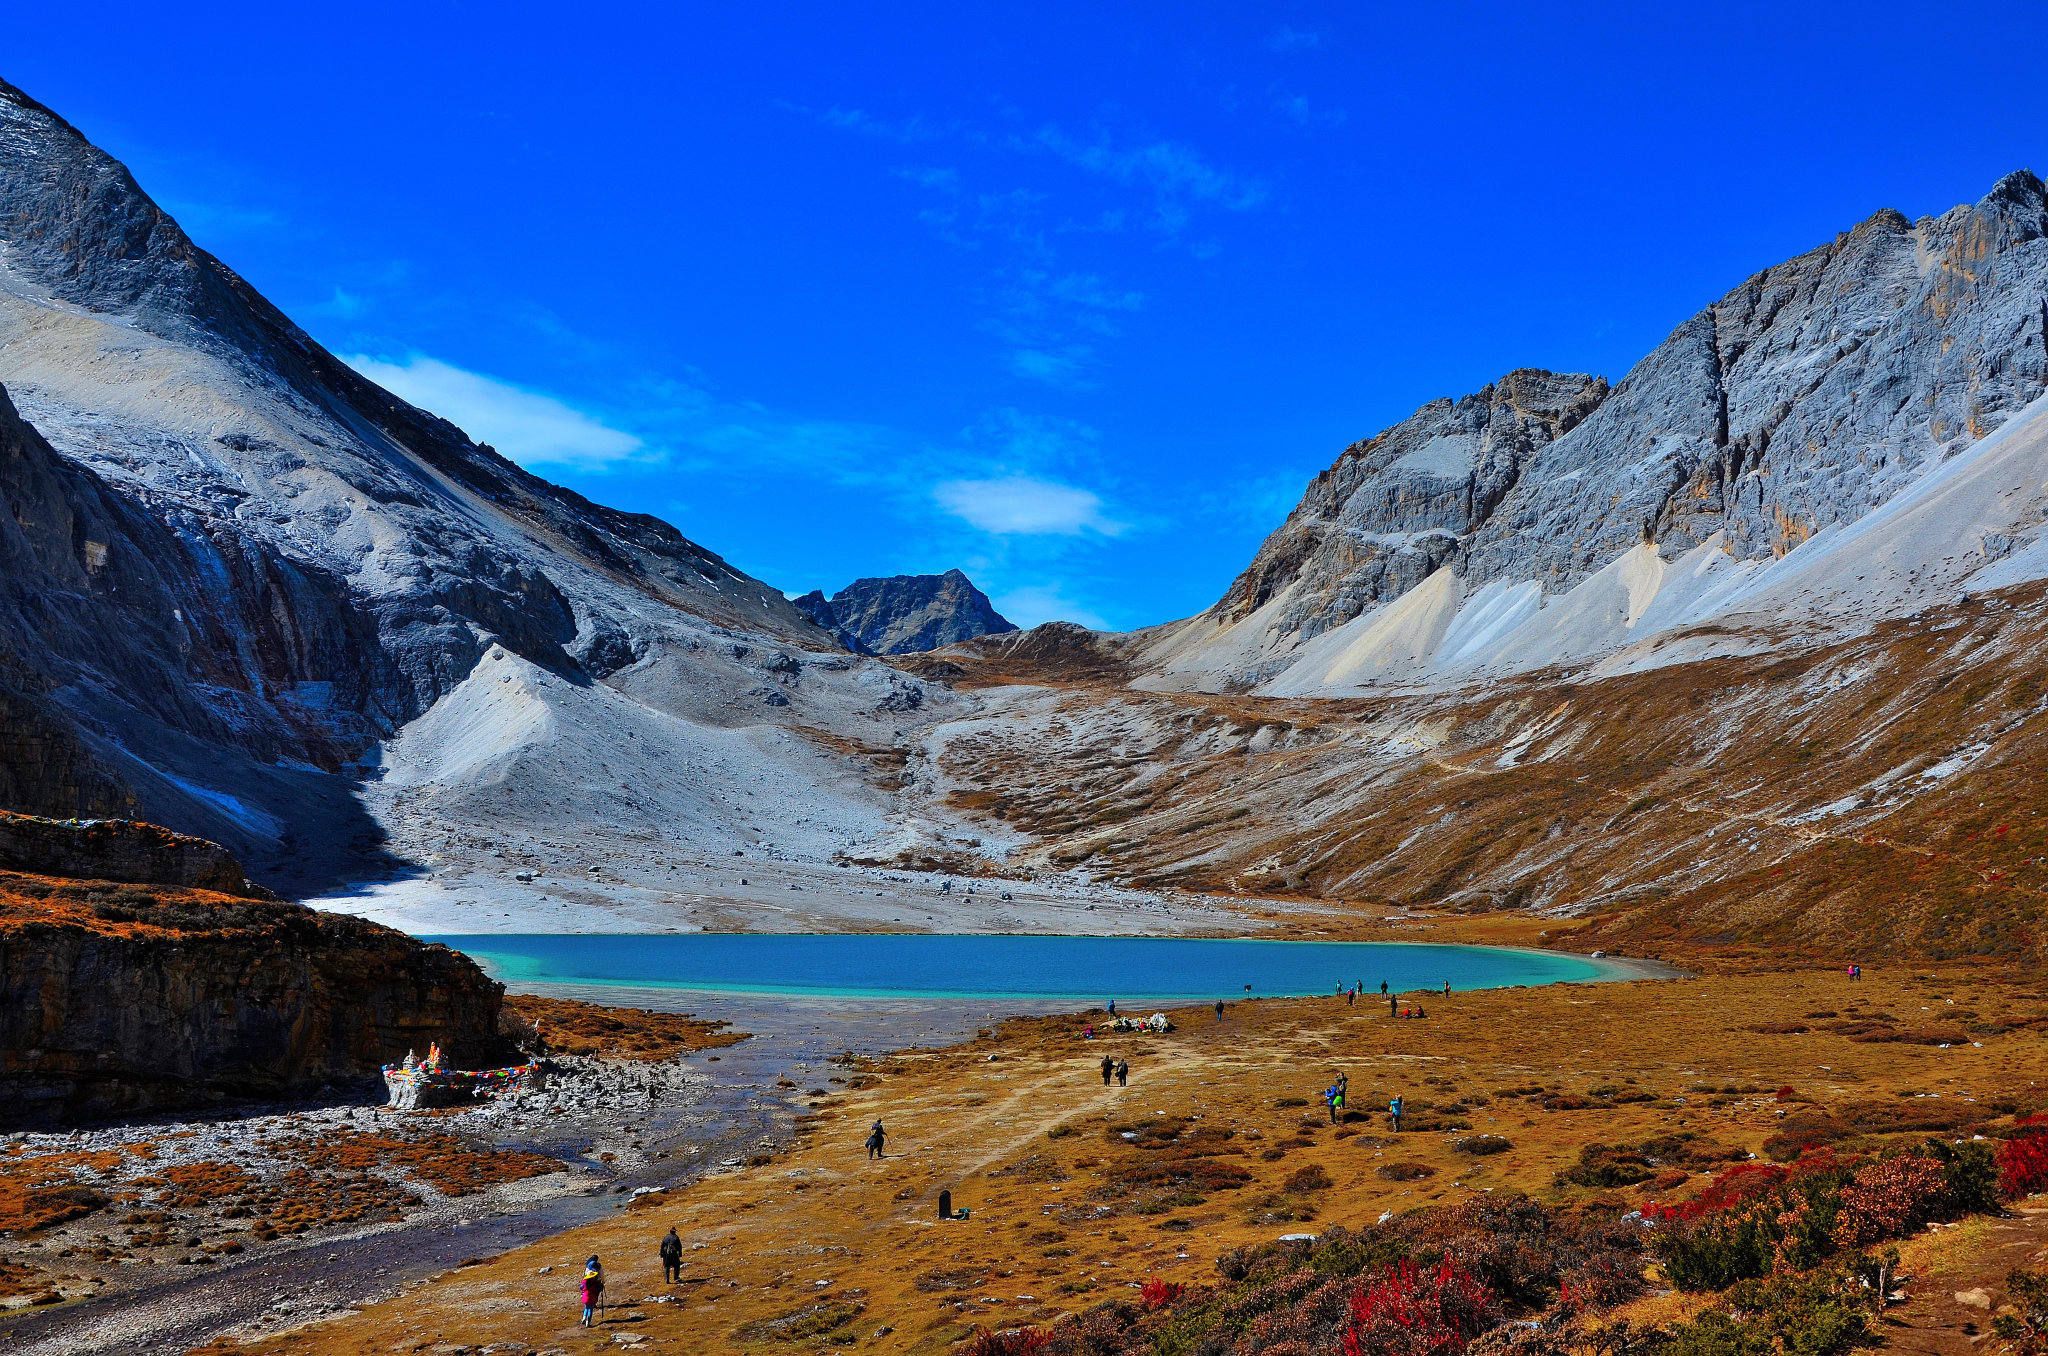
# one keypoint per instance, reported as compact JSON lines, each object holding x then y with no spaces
{"x":161,"y":1234}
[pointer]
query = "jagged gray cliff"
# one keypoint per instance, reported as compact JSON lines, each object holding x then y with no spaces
{"x":905,"y":613}
{"x":1815,"y":392}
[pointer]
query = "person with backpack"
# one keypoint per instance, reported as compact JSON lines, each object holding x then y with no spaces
{"x":593,"y":1290}
{"x":1108,"y":1069}
{"x":671,"y":1258}
{"x":876,"y":1138}
{"x":1123,"y":1073}
{"x":1394,"y":1111}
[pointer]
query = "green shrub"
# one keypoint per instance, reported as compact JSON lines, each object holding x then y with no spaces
{"x":1715,"y":1334}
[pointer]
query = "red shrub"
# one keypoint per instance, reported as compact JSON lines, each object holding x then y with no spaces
{"x":1739,"y":1185}
{"x":1158,"y":1294}
{"x":1009,"y":1342}
{"x":1891,"y":1199}
{"x":2023,"y":1162}
{"x":1429,"y":1313}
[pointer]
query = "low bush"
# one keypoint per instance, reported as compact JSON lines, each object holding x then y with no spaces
{"x":1434,"y":1311}
{"x":2023,"y":1160}
{"x":1405,"y":1172}
{"x":2026,"y":1326}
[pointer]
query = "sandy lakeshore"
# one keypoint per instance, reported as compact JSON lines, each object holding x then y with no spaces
{"x":1068,"y":1204}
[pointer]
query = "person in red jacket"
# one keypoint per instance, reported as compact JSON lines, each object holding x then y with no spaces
{"x":593,"y":1290}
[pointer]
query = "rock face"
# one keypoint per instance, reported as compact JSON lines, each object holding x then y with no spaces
{"x":120,"y":850}
{"x":1808,"y":397}
{"x":1395,"y":507}
{"x":906,"y":613}
{"x":117,"y":998}
{"x":243,"y":562}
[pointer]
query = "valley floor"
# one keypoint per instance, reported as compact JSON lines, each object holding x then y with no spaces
{"x":1068,"y":1207}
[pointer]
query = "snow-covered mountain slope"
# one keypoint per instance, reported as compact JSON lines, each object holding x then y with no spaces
{"x":1547,"y":520}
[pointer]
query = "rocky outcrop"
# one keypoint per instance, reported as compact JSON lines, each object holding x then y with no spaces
{"x":906,"y":613}
{"x":1394,"y":507}
{"x":118,"y":999}
{"x":120,"y":850}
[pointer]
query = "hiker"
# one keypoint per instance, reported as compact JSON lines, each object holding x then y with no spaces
{"x":1330,"y":1100}
{"x":593,"y":1289}
{"x":1343,"y":1089}
{"x":1394,"y":1111}
{"x":1351,"y":998}
{"x":1393,"y":1002}
{"x":1112,"y":1007}
{"x":1219,"y":1009}
{"x":1108,"y":1069}
{"x":1447,"y":988}
{"x":876,"y":1138}
{"x":1123,"y":1073}
{"x":1383,"y":988}
{"x":671,"y":1257}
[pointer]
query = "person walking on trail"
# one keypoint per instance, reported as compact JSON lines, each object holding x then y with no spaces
{"x":671,"y":1257}
{"x":1108,"y":1069}
{"x":1330,"y":1100}
{"x":876,"y":1138}
{"x":1123,"y":1073}
{"x":1394,"y":1112}
{"x":1219,"y":1009}
{"x":593,"y":1290}
{"x":1351,"y":998}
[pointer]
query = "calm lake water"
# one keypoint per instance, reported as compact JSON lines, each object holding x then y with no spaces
{"x":1082,"y":970}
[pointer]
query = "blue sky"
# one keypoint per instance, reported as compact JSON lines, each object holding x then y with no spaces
{"x":1076,"y":298}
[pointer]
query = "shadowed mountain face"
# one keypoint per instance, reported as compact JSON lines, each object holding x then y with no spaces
{"x":905,"y":613}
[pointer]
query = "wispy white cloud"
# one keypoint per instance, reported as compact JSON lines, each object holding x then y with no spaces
{"x":1059,"y":367}
{"x":1285,"y":39}
{"x":1297,"y":107}
{"x":1024,"y":505}
{"x":1034,"y":604}
{"x":941,"y":177}
{"x":1172,"y":171}
{"x":530,"y":427}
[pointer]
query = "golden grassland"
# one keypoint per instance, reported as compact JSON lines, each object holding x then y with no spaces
{"x":572,"y":1027}
{"x":1077,"y":1191}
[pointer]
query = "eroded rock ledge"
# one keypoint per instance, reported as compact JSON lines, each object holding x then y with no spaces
{"x":123,"y":994}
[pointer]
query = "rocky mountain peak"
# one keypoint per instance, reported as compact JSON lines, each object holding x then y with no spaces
{"x":905,"y":613}
{"x":1811,"y":394}
{"x":1395,"y":506}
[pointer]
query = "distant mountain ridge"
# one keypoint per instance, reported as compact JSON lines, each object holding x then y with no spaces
{"x":905,"y":613}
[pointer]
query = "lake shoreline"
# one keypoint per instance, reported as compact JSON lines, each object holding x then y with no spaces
{"x":1067,"y":972}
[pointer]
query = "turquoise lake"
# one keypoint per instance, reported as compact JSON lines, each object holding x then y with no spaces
{"x":1080,"y":970}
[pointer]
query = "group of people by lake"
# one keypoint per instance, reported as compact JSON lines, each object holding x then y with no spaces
{"x":1335,"y":1096}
